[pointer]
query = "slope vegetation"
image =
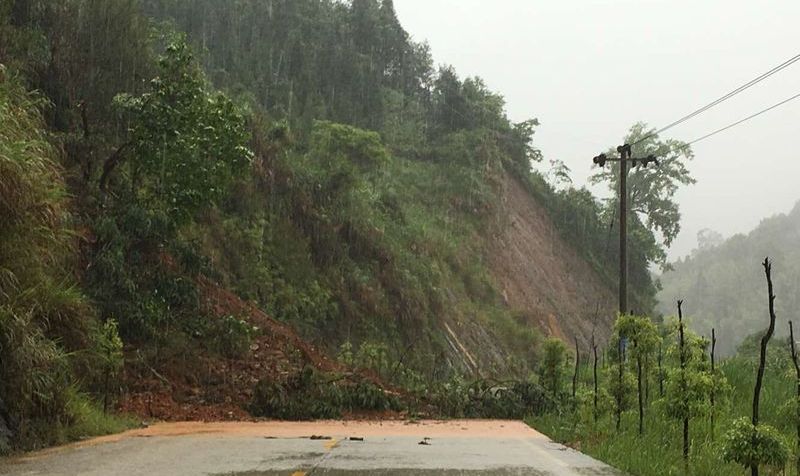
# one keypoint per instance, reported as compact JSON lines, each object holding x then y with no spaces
{"x":302,"y":160}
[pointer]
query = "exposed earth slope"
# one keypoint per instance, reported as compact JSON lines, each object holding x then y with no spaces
{"x":542,"y":278}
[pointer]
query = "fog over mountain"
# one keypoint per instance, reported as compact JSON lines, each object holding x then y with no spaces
{"x":590,"y":69}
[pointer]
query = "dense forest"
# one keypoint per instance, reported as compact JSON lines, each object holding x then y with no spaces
{"x":305,"y":155}
{"x":717,"y":279}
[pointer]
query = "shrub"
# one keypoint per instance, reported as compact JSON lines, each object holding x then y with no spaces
{"x":551,"y":369}
{"x":231,"y":336}
{"x":750,"y":445}
{"x":107,"y":352}
{"x":310,"y":394}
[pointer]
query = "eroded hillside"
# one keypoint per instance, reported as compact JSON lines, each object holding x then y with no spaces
{"x":542,"y":278}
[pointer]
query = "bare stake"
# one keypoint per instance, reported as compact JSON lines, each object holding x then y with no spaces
{"x":797,"y":402}
{"x":594,"y":350}
{"x":684,"y":390}
{"x":763,"y":356}
{"x":575,"y":376}
{"x":713,"y":378}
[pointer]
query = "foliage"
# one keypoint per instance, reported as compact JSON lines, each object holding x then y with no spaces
{"x":687,"y":389}
{"x":366,"y":215}
{"x":230,"y":336}
{"x":639,"y":330}
{"x":458,"y":398}
{"x":45,"y":322}
{"x":107,"y":350}
{"x":188,"y":143}
{"x":750,"y":445}
{"x":654,"y":210}
{"x":35,"y":371}
{"x":553,"y":365}
{"x":658,"y":450}
{"x":313,"y":395}
{"x":621,"y":393}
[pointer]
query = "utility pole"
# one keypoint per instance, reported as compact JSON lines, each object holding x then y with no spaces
{"x":625,"y":162}
{"x":624,"y":157}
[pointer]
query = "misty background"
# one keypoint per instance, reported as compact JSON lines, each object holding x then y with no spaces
{"x":588,"y":70}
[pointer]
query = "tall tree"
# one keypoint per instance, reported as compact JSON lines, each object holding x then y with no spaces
{"x":187,"y":143}
{"x":652,"y":189}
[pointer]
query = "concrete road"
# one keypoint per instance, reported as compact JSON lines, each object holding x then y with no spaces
{"x":314,"y":448}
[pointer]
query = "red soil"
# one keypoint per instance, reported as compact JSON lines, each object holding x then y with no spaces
{"x":206,"y":387}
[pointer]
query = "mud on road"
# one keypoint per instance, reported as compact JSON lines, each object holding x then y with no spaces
{"x":318,"y":448}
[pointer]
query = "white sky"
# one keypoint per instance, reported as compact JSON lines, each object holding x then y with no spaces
{"x":590,"y":69}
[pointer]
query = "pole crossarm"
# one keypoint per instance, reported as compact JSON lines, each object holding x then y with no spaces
{"x":635,"y":161}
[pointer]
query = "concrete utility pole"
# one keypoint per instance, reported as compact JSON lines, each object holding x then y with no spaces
{"x":624,"y":157}
{"x":625,"y":161}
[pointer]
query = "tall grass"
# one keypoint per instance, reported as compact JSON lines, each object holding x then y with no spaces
{"x":44,"y":319}
{"x":658,"y":451}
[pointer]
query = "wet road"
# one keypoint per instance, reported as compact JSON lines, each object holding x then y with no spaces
{"x":315,"y":448}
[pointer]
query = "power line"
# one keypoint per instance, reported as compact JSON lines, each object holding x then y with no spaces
{"x":732,"y":125}
{"x":724,"y":98}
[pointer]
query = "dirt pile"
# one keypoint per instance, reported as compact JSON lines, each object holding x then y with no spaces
{"x":543,"y":278}
{"x":207,"y":387}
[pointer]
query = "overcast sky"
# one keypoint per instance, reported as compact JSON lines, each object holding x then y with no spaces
{"x":590,"y":69}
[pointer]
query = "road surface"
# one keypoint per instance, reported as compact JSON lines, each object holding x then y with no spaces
{"x":314,"y":448}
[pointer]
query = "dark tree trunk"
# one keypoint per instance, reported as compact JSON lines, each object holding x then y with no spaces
{"x":640,"y":389}
{"x":683,"y":384}
{"x":713,"y":378}
{"x":594,"y":350}
{"x":797,"y":402}
{"x":575,"y":376}
{"x":110,"y":164}
{"x":105,"y":391}
{"x":620,"y":381}
{"x":660,"y":373}
{"x":646,"y":380}
{"x":763,"y":355}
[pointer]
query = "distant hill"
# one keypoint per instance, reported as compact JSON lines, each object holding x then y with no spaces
{"x":723,"y":283}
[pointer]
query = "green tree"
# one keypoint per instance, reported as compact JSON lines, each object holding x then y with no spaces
{"x":652,"y":190}
{"x":553,"y":365}
{"x":754,"y":445}
{"x":687,"y":385}
{"x":108,"y":351}
{"x":186,"y":142}
{"x":643,"y":334}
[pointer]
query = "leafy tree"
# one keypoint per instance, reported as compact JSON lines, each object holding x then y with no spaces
{"x":553,"y":365}
{"x":620,"y":383}
{"x":108,"y":351}
{"x":688,"y":385}
{"x":187,"y":143}
{"x":652,"y":189}
{"x":754,"y":445}
{"x":643,"y":334}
